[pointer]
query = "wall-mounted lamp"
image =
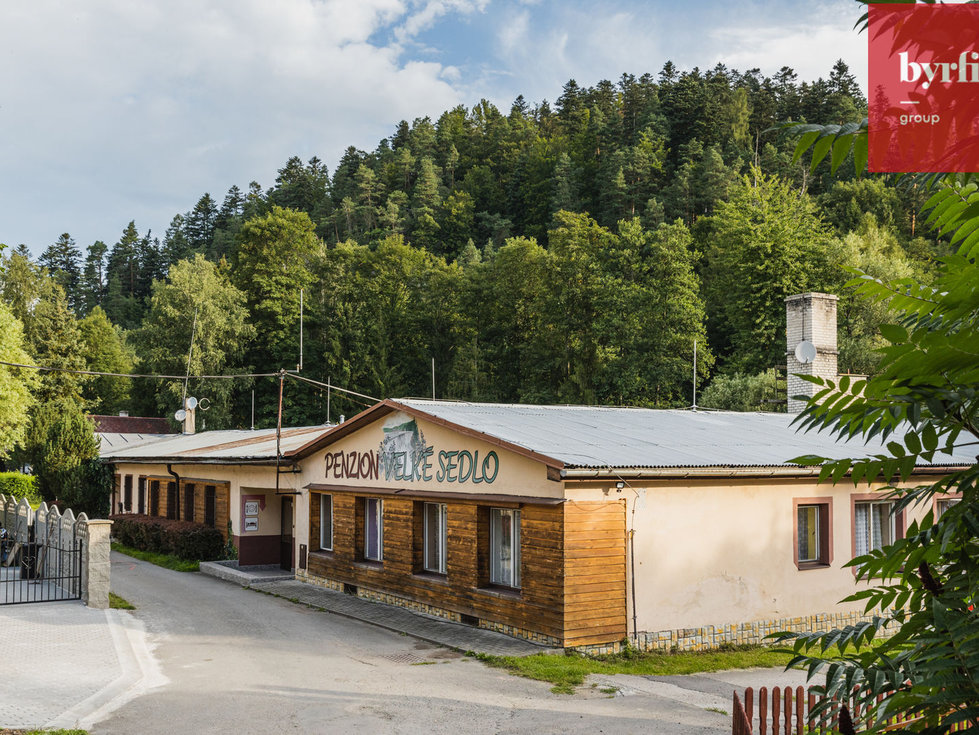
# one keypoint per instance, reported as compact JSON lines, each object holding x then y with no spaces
{"x":618,"y":486}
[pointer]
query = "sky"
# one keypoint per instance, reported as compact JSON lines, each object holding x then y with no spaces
{"x":115,"y":110}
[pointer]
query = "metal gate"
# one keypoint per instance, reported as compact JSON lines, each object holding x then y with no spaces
{"x":40,"y":572}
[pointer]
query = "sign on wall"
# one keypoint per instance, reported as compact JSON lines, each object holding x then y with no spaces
{"x":404,"y":456}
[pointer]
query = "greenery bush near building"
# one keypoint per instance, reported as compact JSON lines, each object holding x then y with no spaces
{"x":19,"y":485}
{"x":183,"y":539}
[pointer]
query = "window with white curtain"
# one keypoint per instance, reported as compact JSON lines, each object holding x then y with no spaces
{"x":373,"y":529}
{"x":942,"y":506}
{"x":505,"y":547}
{"x":808,"y":535}
{"x":874,"y":525}
{"x":435,"y":533}
{"x":326,"y":522}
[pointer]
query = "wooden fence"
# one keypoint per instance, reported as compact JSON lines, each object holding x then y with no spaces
{"x":785,"y":711}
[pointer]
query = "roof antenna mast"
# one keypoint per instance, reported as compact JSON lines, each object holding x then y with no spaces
{"x":193,"y":331}
{"x":694,"y":406}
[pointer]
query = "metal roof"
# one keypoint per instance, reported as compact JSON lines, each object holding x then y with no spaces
{"x":217,"y":446}
{"x":109,"y":440}
{"x":595,"y":437}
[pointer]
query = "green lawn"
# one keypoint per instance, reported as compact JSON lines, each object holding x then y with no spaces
{"x":569,"y":671}
{"x":161,"y":560}
{"x":118,"y":603}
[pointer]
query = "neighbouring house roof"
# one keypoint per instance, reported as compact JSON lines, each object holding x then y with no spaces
{"x":221,"y":447}
{"x":131,"y":425}
{"x":595,"y":437}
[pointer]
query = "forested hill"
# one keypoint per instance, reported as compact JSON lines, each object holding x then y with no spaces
{"x":571,"y":252}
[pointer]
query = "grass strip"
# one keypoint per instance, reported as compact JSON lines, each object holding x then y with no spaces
{"x":118,"y":603}
{"x":567,"y":671}
{"x":161,"y":560}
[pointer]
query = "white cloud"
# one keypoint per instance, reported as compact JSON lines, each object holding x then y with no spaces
{"x":431,"y":10}
{"x":113,"y":110}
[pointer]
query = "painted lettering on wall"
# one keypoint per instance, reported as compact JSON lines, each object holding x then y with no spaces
{"x":352,"y":465}
{"x":403,"y":456}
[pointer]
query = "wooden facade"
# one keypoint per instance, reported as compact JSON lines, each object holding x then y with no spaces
{"x":572,"y":569}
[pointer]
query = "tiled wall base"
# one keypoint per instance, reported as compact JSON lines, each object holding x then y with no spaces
{"x":716,"y":636}
{"x":426,"y":609}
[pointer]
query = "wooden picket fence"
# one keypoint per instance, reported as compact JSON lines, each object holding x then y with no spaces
{"x":785,"y":711}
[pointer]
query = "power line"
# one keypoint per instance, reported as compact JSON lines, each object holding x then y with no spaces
{"x":332,"y":387}
{"x":137,"y":375}
{"x":99,"y":373}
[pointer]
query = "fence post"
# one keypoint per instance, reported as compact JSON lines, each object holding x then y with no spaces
{"x":95,"y":562}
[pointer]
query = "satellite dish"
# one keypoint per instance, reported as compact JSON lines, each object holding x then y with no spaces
{"x":805,"y":352}
{"x":191,"y":403}
{"x":180,"y":415}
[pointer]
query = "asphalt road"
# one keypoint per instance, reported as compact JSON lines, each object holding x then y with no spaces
{"x":241,"y":662}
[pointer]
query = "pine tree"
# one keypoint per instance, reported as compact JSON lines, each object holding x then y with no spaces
{"x":55,"y":341}
{"x":199,"y":224}
{"x":94,"y":276}
{"x":63,"y":261}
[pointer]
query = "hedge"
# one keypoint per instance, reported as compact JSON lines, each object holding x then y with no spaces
{"x":183,"y":539}
{"x":20,"y":486}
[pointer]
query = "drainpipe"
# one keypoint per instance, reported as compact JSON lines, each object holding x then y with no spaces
{"x":176,"y":478}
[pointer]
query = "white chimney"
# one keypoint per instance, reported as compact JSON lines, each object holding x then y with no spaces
{"x":810,"y":336}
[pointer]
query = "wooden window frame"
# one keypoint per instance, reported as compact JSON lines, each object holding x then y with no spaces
{"x":379,"y":558}
{"x":441,"y":567}
{"x":154,"y":498}
{"x":326,"y":501}
{"x":824,"y":532}
{"x":127,"y":494}
{"x":173,"y":498}
{"x":190,"y":491}
{"x":516,"y":539}
{"x":211,"y":506}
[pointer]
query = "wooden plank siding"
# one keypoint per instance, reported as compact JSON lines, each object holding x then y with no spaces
{"x":594,"y":572}
{"x":539,"y":603}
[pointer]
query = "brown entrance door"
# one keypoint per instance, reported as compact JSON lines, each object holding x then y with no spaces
{"x":285,"y":554}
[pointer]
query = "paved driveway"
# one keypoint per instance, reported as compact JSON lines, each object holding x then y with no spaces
{"x":242,"y":662}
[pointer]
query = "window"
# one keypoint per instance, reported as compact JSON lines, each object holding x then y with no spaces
{"x":808,"y":533}
{"x":873,"y":526}
{"x":128,"y":494}
{"x":172,"y":500}
{"x":142,"y":495}
{"x":942,"y":505}
{"x":155,"y":498}
{"x":210,"y":502}
{"x":505,"y":547}
{"x":373,"y":529}
{"x":435,"y":532}
{"x":326,"y":522}
{"x":189,"y":502}
{"x":813,"y":532}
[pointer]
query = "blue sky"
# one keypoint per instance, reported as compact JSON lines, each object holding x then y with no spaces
{"x":112,"y":110}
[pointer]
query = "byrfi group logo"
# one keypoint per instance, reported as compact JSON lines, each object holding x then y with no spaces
{"x":924,"y":87}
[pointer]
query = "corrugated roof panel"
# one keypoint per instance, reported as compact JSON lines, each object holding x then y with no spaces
{"x":230,"y":444}
{"x":582,"y":436}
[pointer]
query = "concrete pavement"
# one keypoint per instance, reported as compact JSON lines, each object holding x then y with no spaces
{"x":204,"y":656}
{"x":66,"y":665}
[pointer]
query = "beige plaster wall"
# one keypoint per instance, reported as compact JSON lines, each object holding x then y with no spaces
{"x":517,"y":475}
{"x":243,"y":479}
{"x":718,"y":552}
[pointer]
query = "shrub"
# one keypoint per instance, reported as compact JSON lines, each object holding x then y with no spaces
{"x":741,"y":392}
{"x":20,"y":486}
{"x":183,"y":539}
